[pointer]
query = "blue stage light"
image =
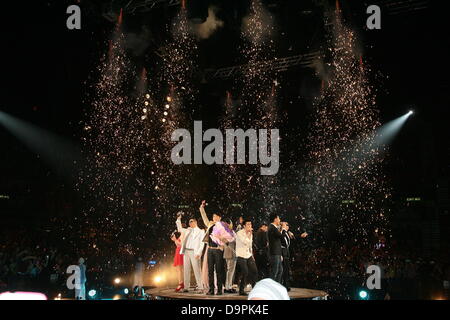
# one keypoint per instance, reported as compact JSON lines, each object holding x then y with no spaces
{"x":92,"y":293}
{"x":126,"y":290}
{"x":363,"y":294}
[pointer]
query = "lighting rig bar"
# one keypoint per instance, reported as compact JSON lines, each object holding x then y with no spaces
{"x":147,"y":5}
{"x":277,"y":65}
{"x":395,"y":7}
{"x":134,"y":6}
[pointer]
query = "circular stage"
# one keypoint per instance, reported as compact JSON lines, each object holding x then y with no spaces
{"x":169,"y":293}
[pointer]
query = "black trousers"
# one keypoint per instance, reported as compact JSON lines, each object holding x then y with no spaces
{"x":286,"y":271}
{"x":215,"y":262}
{"x":262,"y":263}
{"x":246,"y":267}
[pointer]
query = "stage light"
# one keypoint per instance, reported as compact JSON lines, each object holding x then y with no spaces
{"x":165,"y":113}
{"x":144,"y":110}
{"x":169,"y":99}
{"x":117,"y":280}
{"x":92,"y":293}
{"x":143,"y":117}
{"x":126,"y":291}
{"x":163,"y":120}
{"x":147,"y":96}
{"x":363,"y":294}
{"x":167,"y":106}
{"x":146,"y":103}
{"x":158,"y":279}
{"x":387,"y":132}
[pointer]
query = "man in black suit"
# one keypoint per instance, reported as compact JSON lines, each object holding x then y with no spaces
{"x":261,"y":244}
{"x":285,"y":249}
{"x":275,"y":252}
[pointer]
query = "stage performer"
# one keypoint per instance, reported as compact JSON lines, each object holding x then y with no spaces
{"x":178,"y":259}
{"x":214,"y":238}
{"x":261,"y":252}
{"x":239,"y":223}
{"x":245,"y":260}
{"x":275,"y":253}
{"x":80,"y":294}
{"x":191,"y":248}
{"x":229,"y":254}
{"x":285,"y":249}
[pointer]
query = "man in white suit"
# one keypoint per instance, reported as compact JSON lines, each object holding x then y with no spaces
{"x":245,"y":260}
{"x":191,"y":247}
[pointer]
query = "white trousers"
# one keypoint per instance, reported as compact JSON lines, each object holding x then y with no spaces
{"x":231,"y":267}
{"x":80,"y":294}
{"x":188,"y":261}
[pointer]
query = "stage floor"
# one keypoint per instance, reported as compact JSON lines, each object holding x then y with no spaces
{"x":169,"y":293}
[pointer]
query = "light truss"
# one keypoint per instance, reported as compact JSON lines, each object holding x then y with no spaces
{"x":136,"y":6}
{"x":277,"y":65}
{"x":395,"y":7}
{"x":147,"y":5}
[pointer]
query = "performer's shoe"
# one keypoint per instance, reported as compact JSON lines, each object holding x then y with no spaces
{"x":230,"y":290}
{"x":210,"y":293}
{"x":219,"y":293}
{"x":180,"y":287}
{"x":185,"y":291}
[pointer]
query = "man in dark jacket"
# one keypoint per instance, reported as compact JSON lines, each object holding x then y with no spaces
{"x":261,"y":250}
{"x":275,"y":253}
{"x":285,"y":249}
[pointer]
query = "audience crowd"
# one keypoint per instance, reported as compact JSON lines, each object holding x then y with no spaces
{"x":36,"y":260}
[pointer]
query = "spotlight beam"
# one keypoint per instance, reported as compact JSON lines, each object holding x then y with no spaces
{"x":364,"y":149}
{"x":59,"y":153}
{"x":386,"y":133}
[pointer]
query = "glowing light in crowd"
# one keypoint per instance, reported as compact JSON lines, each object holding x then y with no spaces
{"x":19,"y":295}
{"x":117,"y":280}
{"x":363,"y":294}
{"x":92,"y":293}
